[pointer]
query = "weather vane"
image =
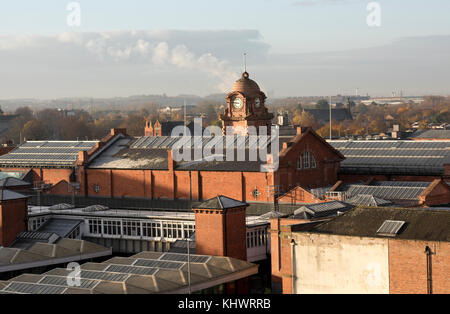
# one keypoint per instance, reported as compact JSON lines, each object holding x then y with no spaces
{"x":245,"y":62}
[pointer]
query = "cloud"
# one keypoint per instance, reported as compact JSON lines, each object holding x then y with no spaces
{"x":123,"y":63}
{"x":144,"y":52}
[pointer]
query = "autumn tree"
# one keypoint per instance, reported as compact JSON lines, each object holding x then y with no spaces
{"x":305,"y":119}
{"x":35,"y":130}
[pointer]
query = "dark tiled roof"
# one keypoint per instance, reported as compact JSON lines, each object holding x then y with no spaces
{"x":321,"y":209}
{"x":7,"y":195}
{"x":221,"y":202}
{"x":13,"y":182}
{"x":151,"y":153}
{"x":420,"y":224}
{"x":61,"y":227}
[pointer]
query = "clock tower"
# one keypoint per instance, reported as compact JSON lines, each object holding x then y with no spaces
{"x":246,"y":107}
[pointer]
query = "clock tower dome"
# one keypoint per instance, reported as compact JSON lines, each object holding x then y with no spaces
{"x":246,"y":107}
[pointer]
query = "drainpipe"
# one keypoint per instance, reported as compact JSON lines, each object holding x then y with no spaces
{"x":293,"y":264}
{"x":429,"y":254}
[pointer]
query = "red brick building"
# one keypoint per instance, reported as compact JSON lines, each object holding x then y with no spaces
{"x":120,"y":166}
{"x":373,"y":250}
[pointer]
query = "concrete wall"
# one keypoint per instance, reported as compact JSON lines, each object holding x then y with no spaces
{"x":338,"y":264}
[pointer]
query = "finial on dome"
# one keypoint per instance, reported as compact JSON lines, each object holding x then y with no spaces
{"x":245,"y":75}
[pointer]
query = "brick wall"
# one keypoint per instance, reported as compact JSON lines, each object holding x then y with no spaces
{"x":408,"y":266}
{"x":221,"y":233}
{"x":13,"y":216}
{"x":327,"y":164}
{"x":281,"y":255}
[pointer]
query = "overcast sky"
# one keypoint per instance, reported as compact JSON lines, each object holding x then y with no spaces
{"x":295,"y":48}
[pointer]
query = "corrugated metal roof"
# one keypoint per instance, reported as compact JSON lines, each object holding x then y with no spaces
{"x":46,"y":153}
{"x":321,"y":209}
{"x":386,"y":192}
{"x":367,"y":200}
{"x":393,"y":157}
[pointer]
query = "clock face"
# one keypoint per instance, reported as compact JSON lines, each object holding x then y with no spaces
{"x":257,"y":103}
{"x":237,"y":103}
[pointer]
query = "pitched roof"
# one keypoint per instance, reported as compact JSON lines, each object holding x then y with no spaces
{"x":385,"y":192}
{"x":143,"y":273}
{"x":13,"y":182}
{"x":393,"y":157}
{"x":7,"y":195}
{"x":299,"y":137}
{"x":367,"y":200}
{"x":46,"y":153}
{"x":221,"y":202}
{"x":420,"y":224}
{"x":152,"y":153}
{"x":321,"y":209}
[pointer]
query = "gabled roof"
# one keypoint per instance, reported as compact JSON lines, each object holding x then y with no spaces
{"x":300,"y":137}
{"x":367,"y":200}
{"x":221,"y":202}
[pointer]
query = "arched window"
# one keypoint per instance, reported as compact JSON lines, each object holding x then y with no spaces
{"x":309,"y":161}
{"x":306,"y":163}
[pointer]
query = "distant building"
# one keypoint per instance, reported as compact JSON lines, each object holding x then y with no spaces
{"x":165,"y":128}
{"x":337,"y":114}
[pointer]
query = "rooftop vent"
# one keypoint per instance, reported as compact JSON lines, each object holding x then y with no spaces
{"x":390,"y":228}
